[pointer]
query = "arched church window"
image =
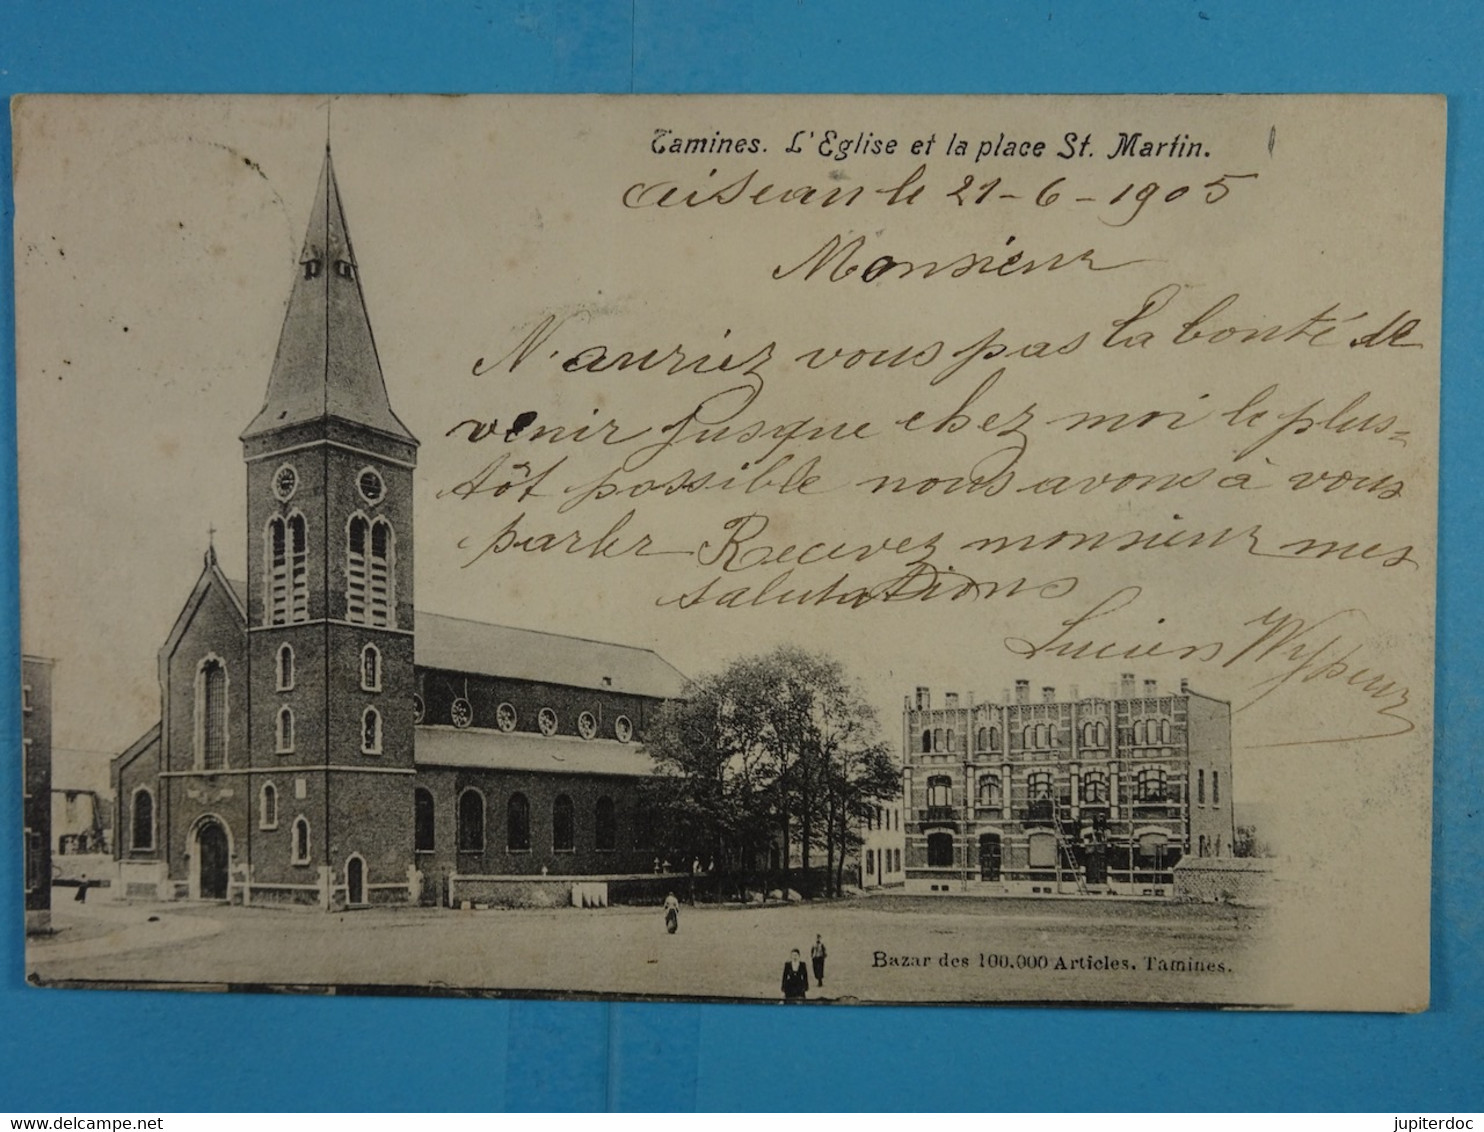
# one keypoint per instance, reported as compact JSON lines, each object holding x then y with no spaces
{"x":369,"y":590}
{"x":371,"y":668}
{"x":142,"y":827}
{"x":287,"y":552}
{"x":300,"y":845}
{"x":284,"y":669}
{"x":268,"y":806}
{"x":357,"y":535}
{"x":284,"y":732}
{"x":277,"y":553}
{"x":298,"y":569}
{"x":371,"y":732}
{"x":380,"y":573}
{"x":211,"y":714}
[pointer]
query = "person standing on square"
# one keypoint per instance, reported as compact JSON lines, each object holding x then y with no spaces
{"x":817,"y":954}
{"x":795,"y":978}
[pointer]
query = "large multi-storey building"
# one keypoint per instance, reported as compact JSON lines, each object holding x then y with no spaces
{"x":1095,"y":794}
{"x":322,"y":741}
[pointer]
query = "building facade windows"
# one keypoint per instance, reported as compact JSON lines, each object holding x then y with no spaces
{"x":471,"y":821}
{"x":1200,"y":788}
{"x":518,"y":824}
{"x":1215,"y":788}
{"x":563,"y":825}
{"x":142,"y":820}
{"x":268,"y":806}
{"x":990,"y":793}
{"x":1038,"y":786}
{"x":283,"y":672}
{"x":939,"y":792}
{"x":300,"y":841}
{"x":211,"y":714}
{"x":605,"y":825}
{"x":283,"y":732}
{"x":422,"y":820}
{"x":1150,"y":785}
{"x":1094,"y":788}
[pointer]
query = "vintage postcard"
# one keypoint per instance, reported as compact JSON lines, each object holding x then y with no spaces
{"x":850,"y":549}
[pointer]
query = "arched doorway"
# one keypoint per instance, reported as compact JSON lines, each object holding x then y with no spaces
{"x":355,"y":881}
{"x":212,"y":859}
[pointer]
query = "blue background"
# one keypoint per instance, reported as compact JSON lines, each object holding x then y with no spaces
{"x":75,"y":1051}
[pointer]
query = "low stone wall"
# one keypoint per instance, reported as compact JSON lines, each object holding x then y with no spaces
{"x":143,"y":880}
{"x":1225,"y":880}
{"x":510,"y":892}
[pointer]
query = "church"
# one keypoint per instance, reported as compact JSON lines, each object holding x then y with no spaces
{"x":321,"y":741}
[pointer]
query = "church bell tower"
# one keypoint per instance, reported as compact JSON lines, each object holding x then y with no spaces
{"x":330,"y":593}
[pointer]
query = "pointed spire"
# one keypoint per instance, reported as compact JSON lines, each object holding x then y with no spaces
{"x":326,"y":364}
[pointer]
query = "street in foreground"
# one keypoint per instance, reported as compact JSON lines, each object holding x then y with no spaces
{"x":884,"y":948}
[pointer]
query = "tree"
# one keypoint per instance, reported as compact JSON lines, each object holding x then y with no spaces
{"x":1248,"y":843}
{"x":777,"y":748}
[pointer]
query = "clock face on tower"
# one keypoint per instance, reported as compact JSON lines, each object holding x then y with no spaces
{"x":370,"y":486}
{"x":285,"y":481}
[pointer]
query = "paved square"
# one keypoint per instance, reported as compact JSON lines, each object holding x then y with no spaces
{"x":883,"y":948}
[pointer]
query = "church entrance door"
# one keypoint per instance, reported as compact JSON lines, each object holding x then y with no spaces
{"x":213,"y":855}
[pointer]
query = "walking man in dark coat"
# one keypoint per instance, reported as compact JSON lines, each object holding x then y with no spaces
{"x":795,"y":978}
{"x":817,"y":954}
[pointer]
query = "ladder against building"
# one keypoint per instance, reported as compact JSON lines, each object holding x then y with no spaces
{"x":1064,"y":849}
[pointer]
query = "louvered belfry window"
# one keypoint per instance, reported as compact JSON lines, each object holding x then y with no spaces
{"x":369,"y":590}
